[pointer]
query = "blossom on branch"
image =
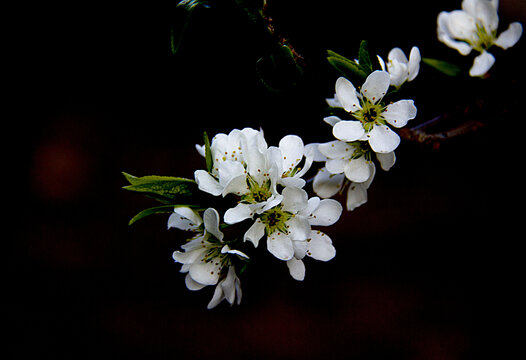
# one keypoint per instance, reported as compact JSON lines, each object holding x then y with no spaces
{"x":475,"y":28}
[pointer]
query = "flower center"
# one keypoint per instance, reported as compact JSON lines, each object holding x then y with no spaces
{"x":276,"y":219}
{"x":482,"y":40}
{"x":370,"y":114}
{"x":361,"y":148}
{"x":257,"y":193}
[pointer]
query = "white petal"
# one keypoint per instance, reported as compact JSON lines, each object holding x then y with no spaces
{"x":327,"y":213}
{"x":226,"y":250}
{"x":399,"y":113}
{"x":482,"y":64}
{"x":336,"y":149}
{"x":206,"y":273}
{"x":317,"y":155}
{"x":228,"y":170}
{"x":414,"y":63}
{"x":320,"y":246}
{"x":398,"y":72}
{"x":398,"y":55}
{"x":348,"y":130}
{"x":483,"y":11}
{"x":334,"y":102}
{"x":346,"y":94}
{"x":462,"y":25}
{"x":296,"y":269}
{"x":386,"y":160}
{"x":298,"y":228}
{"x":300,"y":249}
{"x":382,"y":139}
{"x":326,"y":184}
{"x":207,"y":183}
{"x":255,"y":232}
{"x":446,"y":37}
{"x":218,"y":296}
{"x":280,"y":245}
{"x":191,"y":284}
{"x":200,"y":149}
{"x":382,"y":62}
{"x":237,"y":186}
{"x":184,"y":218}
{"x":332,"y":120}
{"x":357,"y":170}
{"x":356,"y":196}
{"x":211,"y":220}
{"x":509,"y":37}
{"x":292,"y":148}
{"x":294,"y":199}
{"x":187,"y":257}
{"x":336,"y":166}
{"x":376,"y":86}
{"x":238,"y":213}
{"x":229,"y":285}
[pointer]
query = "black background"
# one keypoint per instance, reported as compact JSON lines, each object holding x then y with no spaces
{"x":427,"y":269}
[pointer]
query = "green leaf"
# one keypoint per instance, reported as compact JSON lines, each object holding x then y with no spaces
{"x":364,"y":58}
{"x":165,"y":189}
{"x":166,"y":209}
{"x":208,"y":152}
{"x":346,"y":67}
{"x":443,"y":66}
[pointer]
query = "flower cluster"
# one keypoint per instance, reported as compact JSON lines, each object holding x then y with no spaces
{"x":252,"y":196}
{"x":368,"y":135}
{"x":267,"y":201}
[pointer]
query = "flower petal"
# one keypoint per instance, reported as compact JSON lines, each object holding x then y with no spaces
{"x":399,"y":113}
{"x":332,"y":120}
{"x":326,"y":184}
{"x":386,"y":160}
{"x":327,"y":213}
{"x":461,"y":25}
{"x":336,"y":149}
{"x":356,"y":196}
{"x":184,"y":218}
{"x":207,"y":183}
{"x":255,"y":232}
{"x":346,"y":95}
{"x":206,"y":273}
{"x":296,"y":269}
{"x":414,"y":63}
{"x":319,"y":246}
{"x":336,"y":166}
{"x":191,"y":284}
{"x":509,"y":37}
{"x":292,"y":148}
{"x":446,"y":37}
{"x":238,"y":213}
{"x":358,"y":170}
{"x":211,"y":220}
{"x":294,"y":199}
{"x":382,"y":139}
{"x":348,"y":130}
{"x":280,"y":245}
{"x":482,"y":64}
{"x":376,"y":85}
{"x":298,"y":228}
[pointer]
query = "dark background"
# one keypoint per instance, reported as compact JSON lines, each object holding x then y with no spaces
{"x":427,"y":269}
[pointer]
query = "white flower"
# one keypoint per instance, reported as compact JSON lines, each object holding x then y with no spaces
{"x":288,"y":229}
{"x":287,"y":158}
{"x":317,"y":245}
{"x":399,"y":67}
{"x":206,"y":257}
{"x":475,"y":28}
{"x":372,"y":116}
{"x":231,"y":154}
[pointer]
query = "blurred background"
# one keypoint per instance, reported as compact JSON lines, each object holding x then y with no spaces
{"x":427,"y":269}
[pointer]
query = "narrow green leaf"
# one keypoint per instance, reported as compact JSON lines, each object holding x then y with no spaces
{"x":208,"y":152}
{"x":166,"y":189}
{"x":184,"y":9}
{"x":166,"y":209}
{"x":364,"y":58}
{"x":346,"y":67}
{"x":443,"y":66}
